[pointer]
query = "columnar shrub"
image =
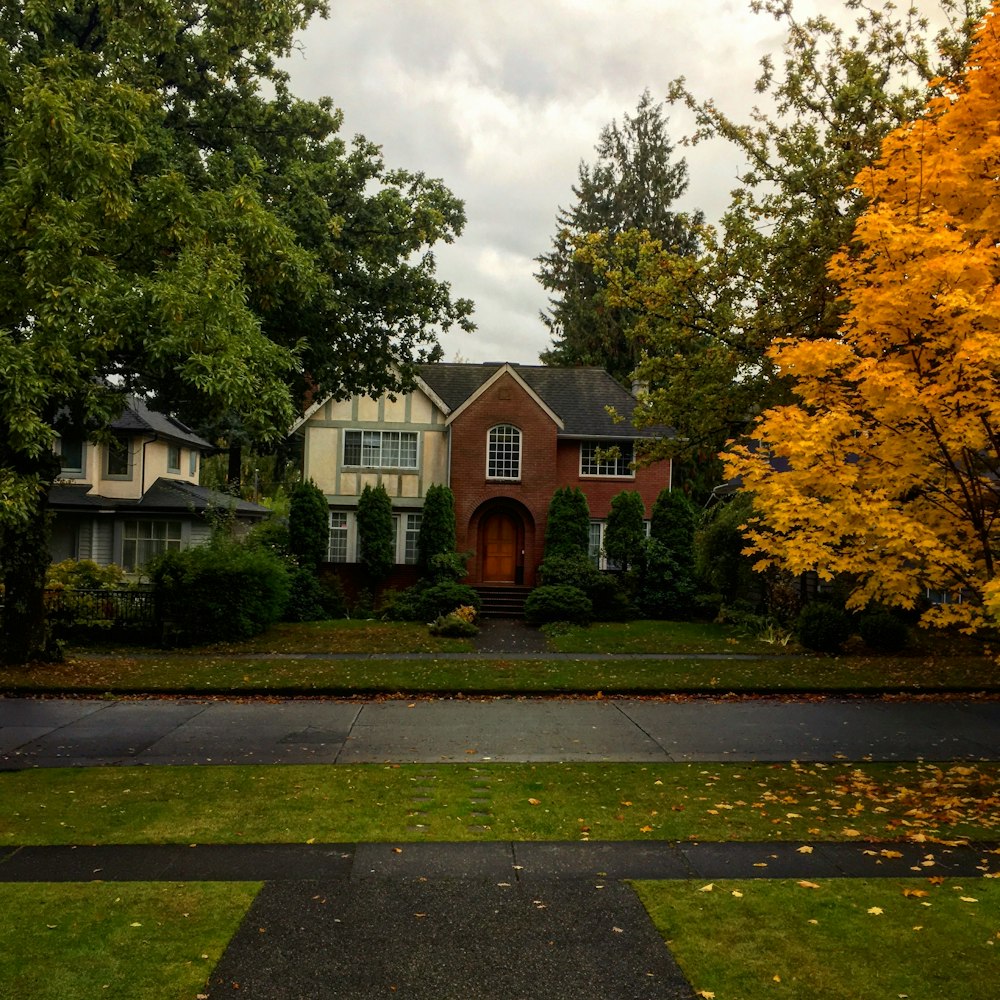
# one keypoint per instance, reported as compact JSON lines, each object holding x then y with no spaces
{"x":375,"y":534}
{"x":672,"y":524}
{"x":437,"y":529}
{"x":625,"y":533}
{"x":308,"y":525}
{"x":567,"y":531}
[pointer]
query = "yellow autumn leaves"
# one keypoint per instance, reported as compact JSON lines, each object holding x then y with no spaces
{"x":893,"y":447}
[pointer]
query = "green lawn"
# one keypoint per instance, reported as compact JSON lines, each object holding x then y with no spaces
{"x":290,"y":658}
{"x":833,"y":940}
{"x":120,"y":941}
{"x":488,"y":802}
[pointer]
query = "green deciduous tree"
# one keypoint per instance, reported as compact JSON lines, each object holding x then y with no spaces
{"x":631,"y":186}
{"x":176,"y":224}
{"x":705,"y":321}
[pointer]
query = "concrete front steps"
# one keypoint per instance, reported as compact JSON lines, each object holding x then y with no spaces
{"x":502,"y":602}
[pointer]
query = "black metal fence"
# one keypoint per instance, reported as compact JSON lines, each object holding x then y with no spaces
{"x":101,"y":609}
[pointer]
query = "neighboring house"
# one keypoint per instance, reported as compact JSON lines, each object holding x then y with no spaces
{"x":504,"y":437}
{"x":135,"y":496}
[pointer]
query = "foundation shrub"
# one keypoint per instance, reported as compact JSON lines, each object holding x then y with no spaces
{"x":559,"y":603}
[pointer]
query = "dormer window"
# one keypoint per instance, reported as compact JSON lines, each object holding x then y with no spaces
{"x":504,"y":453}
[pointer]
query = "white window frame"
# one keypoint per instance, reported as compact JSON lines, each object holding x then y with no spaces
{"x":407,"y":536}
{"x":598,"y":558}
{"x":175,"y":456}
{"x":164,"y":535}
{"x":375,"y":449}
{"x":619,"y":468}
{"x":503,"y":453}
{"x":346,"y":526}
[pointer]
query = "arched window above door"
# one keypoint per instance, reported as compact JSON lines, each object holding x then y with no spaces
{"x":504,"y":453}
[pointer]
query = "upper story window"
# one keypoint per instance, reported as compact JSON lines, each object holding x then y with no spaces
{"x":504,"y":453}
{"x":118,"y":459}
{"x":381,"y":449}
{"x":71,"y":457}
{"x":192,"y":463}
{"x":595,"y":462}
{"x":173,"y":458}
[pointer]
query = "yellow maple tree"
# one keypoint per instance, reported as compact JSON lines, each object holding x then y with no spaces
{"x":893,"y":443}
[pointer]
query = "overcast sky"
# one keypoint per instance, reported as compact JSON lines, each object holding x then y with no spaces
{"x":502,"y":99}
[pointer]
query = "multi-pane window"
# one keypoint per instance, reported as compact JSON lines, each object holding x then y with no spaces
{"x":504,"y":454}
{"x":594,"y":543}
{"x":337,"y":550}
{"x":411,"y":536}
{"x":118,"y":458}
{"x":142,"y":540}
{"x":595,"y":461}
{"x":381,"y":449}
{"x":173,"y":458}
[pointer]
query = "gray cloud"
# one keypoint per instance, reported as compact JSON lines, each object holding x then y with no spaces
{"x":504,"y":99}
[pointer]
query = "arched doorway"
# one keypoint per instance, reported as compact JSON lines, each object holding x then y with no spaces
{"x":501,"y":534}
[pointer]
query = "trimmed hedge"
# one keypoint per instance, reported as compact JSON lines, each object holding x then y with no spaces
{"x":559,"y":603}
{"x":220,"y":592}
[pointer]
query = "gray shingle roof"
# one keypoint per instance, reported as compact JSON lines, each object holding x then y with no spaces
{"x":138,"y":417}
{"x":164,"y":496}
{"x":580,"y":396}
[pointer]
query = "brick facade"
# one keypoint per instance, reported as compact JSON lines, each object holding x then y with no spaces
{"x":547,"y":463}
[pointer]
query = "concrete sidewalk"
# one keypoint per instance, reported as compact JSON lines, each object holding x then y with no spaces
{"x":63,"y":732}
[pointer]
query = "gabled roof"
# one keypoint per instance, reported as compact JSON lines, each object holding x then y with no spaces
{"x":578,"y":396}
{"x":513,"y":372}
{"x":137,"y":417}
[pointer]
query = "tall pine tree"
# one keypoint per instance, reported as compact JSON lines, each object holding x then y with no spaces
{"x":632,"y":186}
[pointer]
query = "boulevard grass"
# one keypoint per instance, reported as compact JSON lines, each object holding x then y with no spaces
{"x":881,"y":939}
{"x":122,"y":941}
{"x":500,"y":802}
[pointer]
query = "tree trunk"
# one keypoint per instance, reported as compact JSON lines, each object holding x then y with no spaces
{"x":25,"y":552}
{"x":234,"y":473}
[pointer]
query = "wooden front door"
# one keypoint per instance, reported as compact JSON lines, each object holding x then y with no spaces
{"x":500,"y":549}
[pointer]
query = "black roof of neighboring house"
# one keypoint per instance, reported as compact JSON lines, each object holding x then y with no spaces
{"x":165,"y":496}
{"x":138,"y":417}
{"x":579,"y":396}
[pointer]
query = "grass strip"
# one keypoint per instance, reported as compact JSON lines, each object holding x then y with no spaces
{"x":487,"y":802}
{"x":120,"y":941}
{"x":929,"y":939}
{"x":217,"y":673}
